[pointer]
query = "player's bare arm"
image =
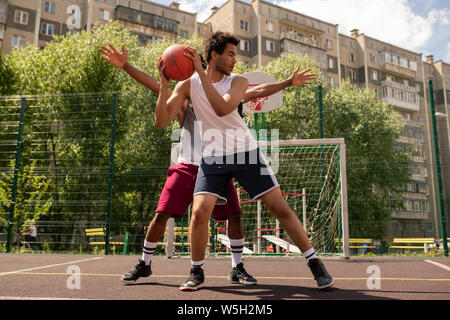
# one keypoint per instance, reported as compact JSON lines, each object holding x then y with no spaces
{"x":170,"y":104}
{"x":120,"y":60}
{"x":230,"y":101}
{"x":266,"y":89}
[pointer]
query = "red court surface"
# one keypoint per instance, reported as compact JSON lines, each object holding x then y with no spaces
{"x":53,"y":277}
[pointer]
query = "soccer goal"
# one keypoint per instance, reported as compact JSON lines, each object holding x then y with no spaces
{"x":313,"y":181}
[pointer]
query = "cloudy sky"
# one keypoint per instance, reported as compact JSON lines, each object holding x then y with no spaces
{"x":421,"y":26}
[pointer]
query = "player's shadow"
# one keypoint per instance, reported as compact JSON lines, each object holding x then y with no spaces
{"x":281,"y":292}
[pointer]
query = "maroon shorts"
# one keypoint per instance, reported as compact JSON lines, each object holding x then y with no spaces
{"x":178,"y":193}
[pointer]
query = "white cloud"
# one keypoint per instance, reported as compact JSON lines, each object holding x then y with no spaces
{"x":201,"y":7}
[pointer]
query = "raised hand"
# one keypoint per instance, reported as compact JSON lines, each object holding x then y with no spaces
{"x":113,"y":56}
{"x":163,"y":79}
{"x":193,"y":54}
{"x":298,"y":78}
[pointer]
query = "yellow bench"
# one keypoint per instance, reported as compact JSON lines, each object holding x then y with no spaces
{"x":100,"y":232}
{"x":408,"y":241}
{"x":354,"y":243}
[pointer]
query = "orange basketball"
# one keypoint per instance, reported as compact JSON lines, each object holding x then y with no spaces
{"x":177,"y":66}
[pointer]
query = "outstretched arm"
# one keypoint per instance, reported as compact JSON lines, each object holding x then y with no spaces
{"x":266,"y":89}
{"x":120,"y":60}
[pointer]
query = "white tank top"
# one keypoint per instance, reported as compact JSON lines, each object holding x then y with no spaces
{"x":220,"y":135}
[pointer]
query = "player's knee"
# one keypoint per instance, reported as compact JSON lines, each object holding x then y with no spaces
{"x":161,"y":217}
{"x":200,"y":216}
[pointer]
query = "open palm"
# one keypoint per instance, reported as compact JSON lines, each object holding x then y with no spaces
{"x":113,"y":56}
{"x":304,"y":77}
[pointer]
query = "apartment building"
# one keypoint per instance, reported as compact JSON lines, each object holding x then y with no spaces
{"x":268,"y":31}
{"x":24,"y":22}
{"x":396,"y":75}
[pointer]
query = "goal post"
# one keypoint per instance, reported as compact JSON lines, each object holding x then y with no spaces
{"x":316,"y":168}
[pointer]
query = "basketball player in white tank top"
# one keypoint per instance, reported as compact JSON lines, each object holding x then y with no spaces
{"x":215,"y":104}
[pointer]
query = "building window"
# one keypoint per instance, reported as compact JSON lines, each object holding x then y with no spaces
{"x":47,"y":29}
{"x":351,"y":57}
{"x":269,"y":26}
{"x":2,"y":8}
{"x":244,"y":45}
{"x":331,"y":82}
{"x":330,"y":63}
{"x":329,"y":44}
{"x":374,"y":75}
{"x":352,"y":74}
{"x":270,"y":46}
{"x":18,"y":42}
{"x":21,"y":17}
{"x":373,"y":58}
{"x":103,"y":14}
{"x":49,"y":7}
{"x":184,"y":34}
{"x":244,"y":25}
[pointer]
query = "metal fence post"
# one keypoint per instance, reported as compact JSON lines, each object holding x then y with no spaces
{"x":438,"y":169}
{"x":111,"y":171}
{"x":23,"y":104}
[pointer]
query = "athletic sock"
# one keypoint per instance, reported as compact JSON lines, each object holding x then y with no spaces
{"x":310,"y":254}
{"x":237,"y":247}
{"x":197,"y":263}
{"x":148,"y":250}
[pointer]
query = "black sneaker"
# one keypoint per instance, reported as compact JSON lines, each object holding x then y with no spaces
{"x":195,"y":280}
{"x":140,"y":270}
{"x":324,"y":280}
{"x":239,"y":275}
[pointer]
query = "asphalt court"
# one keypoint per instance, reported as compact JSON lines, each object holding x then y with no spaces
{"x":55,"y":277}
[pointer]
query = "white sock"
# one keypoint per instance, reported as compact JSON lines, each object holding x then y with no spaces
{"x":197,"y":263}
{"x":237,"y":247}
{"x":148,"y":250}
{"x":310,"y":254}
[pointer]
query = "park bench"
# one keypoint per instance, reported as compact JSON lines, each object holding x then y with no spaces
{"x":412,"y":243}
{"x":100,"y":232}
{"x":357,"y":243}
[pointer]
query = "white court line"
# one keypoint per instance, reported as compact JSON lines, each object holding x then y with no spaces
{"x":49,"y":266}
{"x":37,"y":298}
{"x":439,"y":265}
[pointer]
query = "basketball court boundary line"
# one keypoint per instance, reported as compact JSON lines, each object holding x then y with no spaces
{"x":48,"y":266}
{"x":443,"y":266}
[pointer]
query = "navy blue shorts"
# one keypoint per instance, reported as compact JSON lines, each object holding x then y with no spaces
{"x":251,"y":169}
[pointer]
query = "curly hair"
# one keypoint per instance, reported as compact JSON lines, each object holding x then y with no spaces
{"x":218,"y":42}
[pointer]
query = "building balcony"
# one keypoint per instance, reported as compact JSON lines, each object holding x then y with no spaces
{"x":303,"y":40}
{"x":397,"y":85}
{"x":146,"y":19}
{"x":397,"y":70}
{"x":411,"y":123}
{"x":409,"y":106}
{"x":416,"y":215}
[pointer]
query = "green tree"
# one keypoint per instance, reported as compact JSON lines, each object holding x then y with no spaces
{"x":8,"y":79}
